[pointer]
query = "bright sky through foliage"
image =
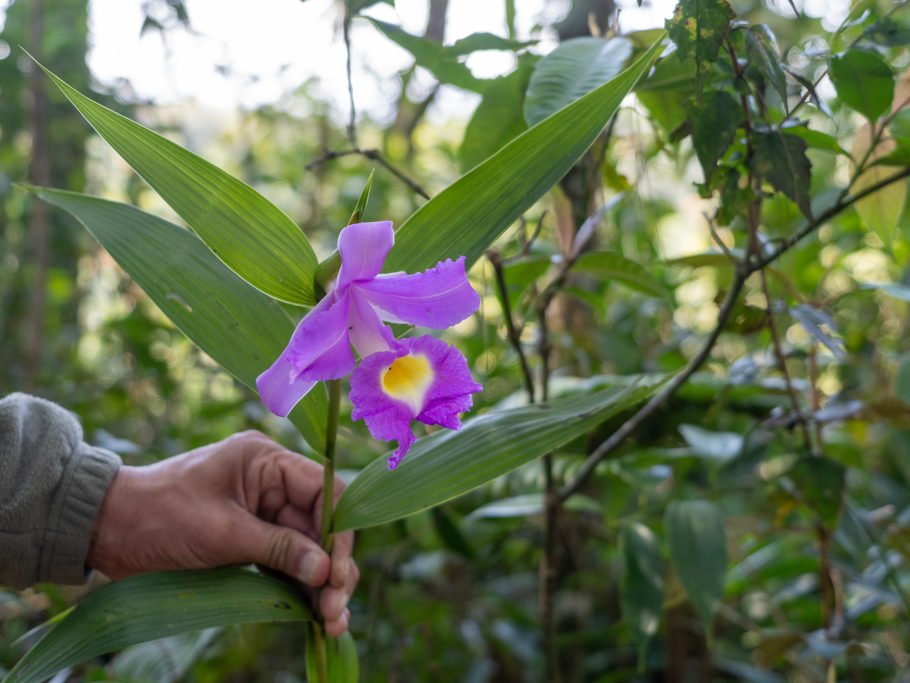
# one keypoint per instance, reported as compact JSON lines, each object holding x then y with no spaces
{"x":250,"y":54}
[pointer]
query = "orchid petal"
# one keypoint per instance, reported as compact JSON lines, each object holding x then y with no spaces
{"x":386,"y":418}
{"x":365,"y":330}
{"x":363,"y":248}
{"x":319,"y":350}
{"x":279,"y":390}
{"x":437,"y":298}
{"x":435,"y":386}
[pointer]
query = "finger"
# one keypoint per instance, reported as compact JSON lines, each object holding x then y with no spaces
{"x":283,"y":549}
{"x":342,"y":547}
{"x":303,"y":481}
{"x":337,"y":627}
{"x":298,"y":519}
{"x":333,"y":601}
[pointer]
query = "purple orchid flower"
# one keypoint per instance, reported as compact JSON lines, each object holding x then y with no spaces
{"x":423,"y":377}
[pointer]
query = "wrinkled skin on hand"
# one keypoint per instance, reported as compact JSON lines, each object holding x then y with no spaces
{"x":242,"y":500}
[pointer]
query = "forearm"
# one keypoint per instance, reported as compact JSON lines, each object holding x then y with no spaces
{"x":52,"y":485}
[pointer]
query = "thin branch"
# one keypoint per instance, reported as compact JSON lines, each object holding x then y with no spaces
{"x":782,"y":364}
{"x":373,"y":155}
{"x":658,"y":400}
{"x":723,"y":247}
{"x":352,"y":121}
{"x":829,"y":213}
{"x":496,"y":261}
{"x":743,"y":271}
{"x":526,"y":247}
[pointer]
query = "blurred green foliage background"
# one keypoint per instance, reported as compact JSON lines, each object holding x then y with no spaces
{"x":814,"y":552}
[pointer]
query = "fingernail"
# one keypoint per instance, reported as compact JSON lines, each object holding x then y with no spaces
{"x":309,"y":568}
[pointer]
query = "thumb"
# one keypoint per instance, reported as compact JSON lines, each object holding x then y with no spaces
{"x":283,"y":549}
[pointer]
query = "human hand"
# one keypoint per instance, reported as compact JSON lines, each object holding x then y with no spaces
{"x":245,"y":499}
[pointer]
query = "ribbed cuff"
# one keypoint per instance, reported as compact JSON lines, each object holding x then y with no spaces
{"x":75,"y":507}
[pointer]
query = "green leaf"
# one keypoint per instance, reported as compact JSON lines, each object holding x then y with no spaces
{"x":342,"y":665}
{"x":699,"y":28}
{"x":485,"y":41}
{"x":820,"y":483}
{"x":434,"y":57}
{"x":718,"y":446}
{"x":498,"y":118}
{"x":641,"y":586}
{"x":902,"y":379}
{"x":816,"y":139}
{"x":449,"y":463}
{"x":472,"y":212}
{"x":899,"y":128}
{"x":698,"y":553}
{"x":241,"y":328}
{"x":762,"y":53}
{"x":246,"y":231}
{"x":663,"y":93}
{"x":360,"y":210}
{"x":152,"y":606}
{"x":780,"y":158}
{"x":888,"y":32}
{"x":814,"y":321}
{"x":611,"y":266}
{"x":576,"y":67}
{"x":528,"y":504}
{"x":714,"y":121}
{"x":863,"y":81}
{"x":892,"y":289}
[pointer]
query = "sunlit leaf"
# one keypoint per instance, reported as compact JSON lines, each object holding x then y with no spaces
{"x":244,"y":229}
{"x":450,"y":463}
{"x":152,"y":606}
{"x":240,"y":327}
{"x":473,"y":211}
{"x":699,"y":28}
{"x":434,"y":57}
{"x":881,"y":210}
{"x":666,"y":91}
{"x":863,"y":81}
{"x":574,"y":68}
{"x":498,"y":118}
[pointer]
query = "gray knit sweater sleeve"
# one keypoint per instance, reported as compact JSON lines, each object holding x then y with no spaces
{"x":51,"y":487}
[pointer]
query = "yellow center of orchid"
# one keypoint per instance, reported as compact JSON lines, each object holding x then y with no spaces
{"x":408,"y":379}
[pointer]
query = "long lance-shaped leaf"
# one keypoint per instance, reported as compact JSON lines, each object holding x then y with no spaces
{"x":448,"y":464}
{"x":152,"y":606}
{"x":468,"y":215}
{"x":245,"y":230}
{"x":240,"y":327}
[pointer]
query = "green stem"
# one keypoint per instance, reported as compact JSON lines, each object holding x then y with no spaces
{"x":328,"y":465}
{"x":319,"y":644}
{"x":328,"y":508}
